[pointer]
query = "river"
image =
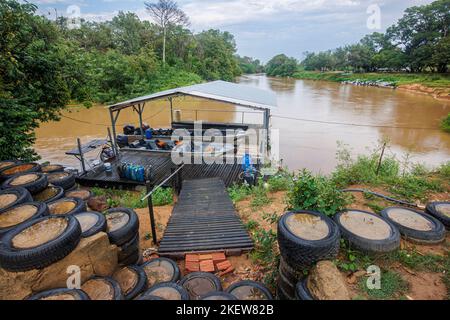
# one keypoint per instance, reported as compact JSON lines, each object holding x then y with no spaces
{"x":324,"y":113}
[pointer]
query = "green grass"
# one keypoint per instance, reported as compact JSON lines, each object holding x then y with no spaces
{"x":392,"y":286}
{"x":426,"y":79}
{"x":130,"y":199}
{"x":239,"y":192}
{"x":444,"y":170}
{"x":404,"y":180}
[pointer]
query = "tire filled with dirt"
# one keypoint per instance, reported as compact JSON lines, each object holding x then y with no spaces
{"x":249,"y":290}
{"x":285,"y":285}
{"x":129,"y":252}
{"x":91,"y":223}
{"x":14,"y":196}
{"x":160,"y":270}
{"x":6,"y":164}
{"x":367,"y":231}
{"x":34,"y":182}
{"x":27,"y":246}
{"x":415,"y":225}
{"x":52,"y":168}
{"x":66,"y":206}
{"x":168,"y":291}
{"x":60,"y":294}
{"x":198,"y":284}
{"x":102,"y":288}
{"x":305,"y":237}
{"x":65,"y":180}
{"x":132,"y":281}
{"x":20,"y":168}
{"x":218,"y":295}
{"x":122,"y":225}
{"x":302,"y":292}
{"x":289,"y":272}
{"x":49,"y":194}
{"x":15,"y":216}
{"x":82,"y":194}
{"x":441,"y":211}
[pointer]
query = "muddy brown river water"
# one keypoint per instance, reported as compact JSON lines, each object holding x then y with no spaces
{"x":357,"y":116}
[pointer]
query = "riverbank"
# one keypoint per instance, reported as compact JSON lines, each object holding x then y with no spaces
{"x":413,"y":272}
{"x":435,"y":85}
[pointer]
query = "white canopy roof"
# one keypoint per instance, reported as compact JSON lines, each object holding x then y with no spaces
{"x":223,"y":91}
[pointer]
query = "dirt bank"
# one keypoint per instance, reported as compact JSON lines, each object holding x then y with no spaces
{"x":437,"y":93}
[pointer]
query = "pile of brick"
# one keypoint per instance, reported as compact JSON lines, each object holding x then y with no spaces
{"x":210,"y":262}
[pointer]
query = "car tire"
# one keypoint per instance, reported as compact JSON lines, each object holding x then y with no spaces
{"x":301,"y":253}
{"x":433,"y":236}
{"x":41,"y":210}
{"x":41,"y":256}
{"x":99,"y":226}
{"x":126,"y":232}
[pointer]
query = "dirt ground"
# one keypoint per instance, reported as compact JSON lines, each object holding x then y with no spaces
{"x":422,"y":285}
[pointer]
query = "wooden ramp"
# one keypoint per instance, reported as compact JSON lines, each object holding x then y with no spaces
{"x":204,"y":220}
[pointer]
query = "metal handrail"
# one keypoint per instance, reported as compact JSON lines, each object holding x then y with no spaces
{"x":162,"y":183}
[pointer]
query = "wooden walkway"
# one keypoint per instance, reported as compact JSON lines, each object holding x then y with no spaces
{"x":204,"y":220}
{"x":162,"y":164}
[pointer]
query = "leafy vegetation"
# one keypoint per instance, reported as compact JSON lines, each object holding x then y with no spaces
{"x":265,"y":247}
{"x":413,"y":182}
{"x":249,"y":65}
{"x":418,"y":42}
{"x":46,"y":64}
{"x":317,"y":193}
{"x":281,"y":66}
{"x":131,"y":199}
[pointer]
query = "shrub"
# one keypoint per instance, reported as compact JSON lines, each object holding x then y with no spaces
{"x":316,"y":193}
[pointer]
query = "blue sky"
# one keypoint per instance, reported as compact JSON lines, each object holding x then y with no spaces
{"x":262,"y":28}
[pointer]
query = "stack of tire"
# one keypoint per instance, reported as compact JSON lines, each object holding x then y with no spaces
{"x":123,"y":231}
{"x":27,"y":206}
{"x":304,"y":238}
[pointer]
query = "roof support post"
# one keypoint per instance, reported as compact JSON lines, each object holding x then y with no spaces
{"x":139,"y":111}
{"x":171,"y":112}
{"x":267,"y":127}
{"x":113,"y":122}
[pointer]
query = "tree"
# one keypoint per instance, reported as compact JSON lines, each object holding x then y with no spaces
{"x":166,"y":13}
{"x":281,"y":66}
{"x":32,"y":82}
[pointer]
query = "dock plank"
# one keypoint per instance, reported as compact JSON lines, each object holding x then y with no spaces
{"x":204,"y":219}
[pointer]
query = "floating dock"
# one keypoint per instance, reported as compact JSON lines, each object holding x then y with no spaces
{"x":163,"y":166}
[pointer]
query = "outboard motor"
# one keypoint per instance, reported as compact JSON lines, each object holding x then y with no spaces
{"x":249,"y":170}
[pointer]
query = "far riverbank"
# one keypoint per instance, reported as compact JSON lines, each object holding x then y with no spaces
{"x":435,"y":85}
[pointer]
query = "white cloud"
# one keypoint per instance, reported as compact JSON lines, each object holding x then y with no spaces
{"x":222,"y":13}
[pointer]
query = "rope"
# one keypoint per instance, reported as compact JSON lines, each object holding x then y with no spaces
{"x":409,"y":204}
{"x":353,"y":124}
{"x":107,"y":125}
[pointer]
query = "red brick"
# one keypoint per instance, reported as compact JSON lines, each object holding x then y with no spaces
{"x":229,"y":270}
{"x":205,"y":257}
{"x":192,"y":258}
{"x":207,"y":266}
{"x":222,"y":266}
{"x":192,"y":266}
{"x":219,"y":257}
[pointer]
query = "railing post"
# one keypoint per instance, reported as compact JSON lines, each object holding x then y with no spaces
{"x":149,"y":188}
{"x":179,"y":180}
